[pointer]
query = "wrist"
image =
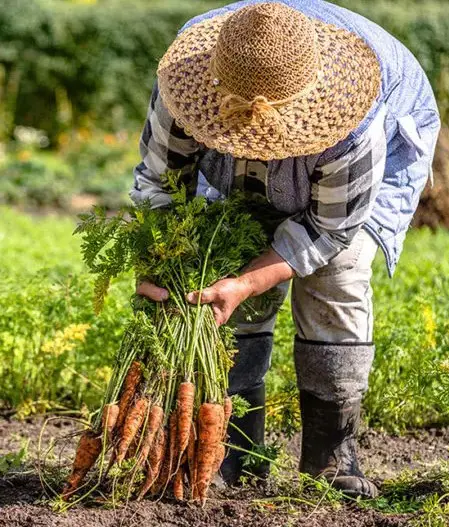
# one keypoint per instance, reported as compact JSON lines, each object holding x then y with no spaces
{"x":264,"y":273}
{"x":246,"y":287}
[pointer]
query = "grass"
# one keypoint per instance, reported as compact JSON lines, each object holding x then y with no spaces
{"x":54,"y":352}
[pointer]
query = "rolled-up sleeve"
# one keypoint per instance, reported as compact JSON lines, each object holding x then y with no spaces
{"x":343,"y":193}
{"x":163,"y":146}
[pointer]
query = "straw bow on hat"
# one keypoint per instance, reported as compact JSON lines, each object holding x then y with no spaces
{"x":266,"y":82}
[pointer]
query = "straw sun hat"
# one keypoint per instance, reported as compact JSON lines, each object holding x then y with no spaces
{"x":266,"y":82}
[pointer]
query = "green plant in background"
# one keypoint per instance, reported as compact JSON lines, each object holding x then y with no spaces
{"x":68,"y":64}
{"x":411,"y":335}
{"x":44,"y":290}
{"x":14,"y":460}
{"x":91,"y":167}
{"x":423,"y":493}
{"x":39,"y":181}
{"x":53,"y":349}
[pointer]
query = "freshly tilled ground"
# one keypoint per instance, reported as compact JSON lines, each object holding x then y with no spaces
{"x":382,"y":457}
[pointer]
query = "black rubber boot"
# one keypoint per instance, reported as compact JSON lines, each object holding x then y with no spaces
{"x":328,"y":448}
{"x":246,"y":379}
{"x":253,"y":426}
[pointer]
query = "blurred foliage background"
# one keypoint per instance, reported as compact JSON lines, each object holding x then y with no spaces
{"x":76,"y":76}
{"x":77,"y":63}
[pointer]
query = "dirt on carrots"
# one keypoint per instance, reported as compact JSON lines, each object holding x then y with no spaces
{"x":382,"y":457}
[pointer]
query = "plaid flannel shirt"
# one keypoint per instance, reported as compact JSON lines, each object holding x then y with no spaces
{"x":343,"y":189}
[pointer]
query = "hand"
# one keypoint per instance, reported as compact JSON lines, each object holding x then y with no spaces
{"x":225,"y":296}
{"x":263,"y":273}
{"x":151,"y":291}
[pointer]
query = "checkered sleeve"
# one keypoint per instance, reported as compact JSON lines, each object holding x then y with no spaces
{"x":343,"y":193}
{"x":163,"y":146}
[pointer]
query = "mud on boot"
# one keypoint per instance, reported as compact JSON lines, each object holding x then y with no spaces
{"x":328,"y":447}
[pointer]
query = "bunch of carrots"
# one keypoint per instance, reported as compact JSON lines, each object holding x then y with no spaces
{"x":163,"y":422}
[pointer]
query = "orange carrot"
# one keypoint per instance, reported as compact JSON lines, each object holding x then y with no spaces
{"x":178,"y":484}
{"x":132,"y":450}
{"x":194,"y":469}
{"x":172,"y":451}
{"x":132,"y":379}
{"x":210,"y":424}
{"x":155,"y":459}
{"x":186,"y":397}
{"x":191,"y":457}
{"x":165,"y":474}
{"x":154,"y":422}
{"x":109,"y":419}
{"x":133,"y":421}
{"x":219,"y":457}
{"x":87,"y":452}
{"x":227,"y":406}
{"x":195,"y":494}
{"x":173,"y":423}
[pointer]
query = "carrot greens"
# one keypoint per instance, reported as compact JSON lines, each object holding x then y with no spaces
{"x":173,"y":362}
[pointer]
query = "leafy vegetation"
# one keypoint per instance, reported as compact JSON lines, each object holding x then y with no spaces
{"x":14,"y":460}
{"x":168,"y":245}
{"x":54,"y":351}
{"x":66,"y":110}
{"x":170,"y":375}
{"x":90,"y":168}
{"x":422,"y":492}
{"x":47,"y":317}
{"x":68,"y":64}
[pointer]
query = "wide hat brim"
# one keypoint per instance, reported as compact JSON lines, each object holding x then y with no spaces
{"x":342,"y":97}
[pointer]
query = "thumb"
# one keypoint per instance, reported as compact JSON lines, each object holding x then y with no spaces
{"x":207,"y":296}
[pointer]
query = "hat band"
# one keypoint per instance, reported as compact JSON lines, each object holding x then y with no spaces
{"x":234,"y":109}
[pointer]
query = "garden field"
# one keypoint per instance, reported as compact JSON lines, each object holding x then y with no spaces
{"x":56,"y":359}
{"x":75,"y":80}
{"x":55,"y":353}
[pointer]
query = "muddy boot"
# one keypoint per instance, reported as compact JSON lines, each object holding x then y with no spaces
{"x":332,"y":378}
{"x":328,"y":448}
{"x":253,"y":426}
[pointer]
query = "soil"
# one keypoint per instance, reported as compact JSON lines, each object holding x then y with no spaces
{"x":382,"y":456}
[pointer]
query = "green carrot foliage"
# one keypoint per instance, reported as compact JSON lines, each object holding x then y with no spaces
{"x":171,"y":247}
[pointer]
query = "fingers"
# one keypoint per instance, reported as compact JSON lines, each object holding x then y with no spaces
{"x":207,"y":296}
{"x":224,"y":297}
{"x":151,"y":291}
{"x":220,"y":316}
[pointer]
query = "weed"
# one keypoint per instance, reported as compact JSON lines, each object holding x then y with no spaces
{"x":421,"y":492}
{"x":14,"y":460}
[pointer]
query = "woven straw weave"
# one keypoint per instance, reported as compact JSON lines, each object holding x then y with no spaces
{"x":266,"y":82}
